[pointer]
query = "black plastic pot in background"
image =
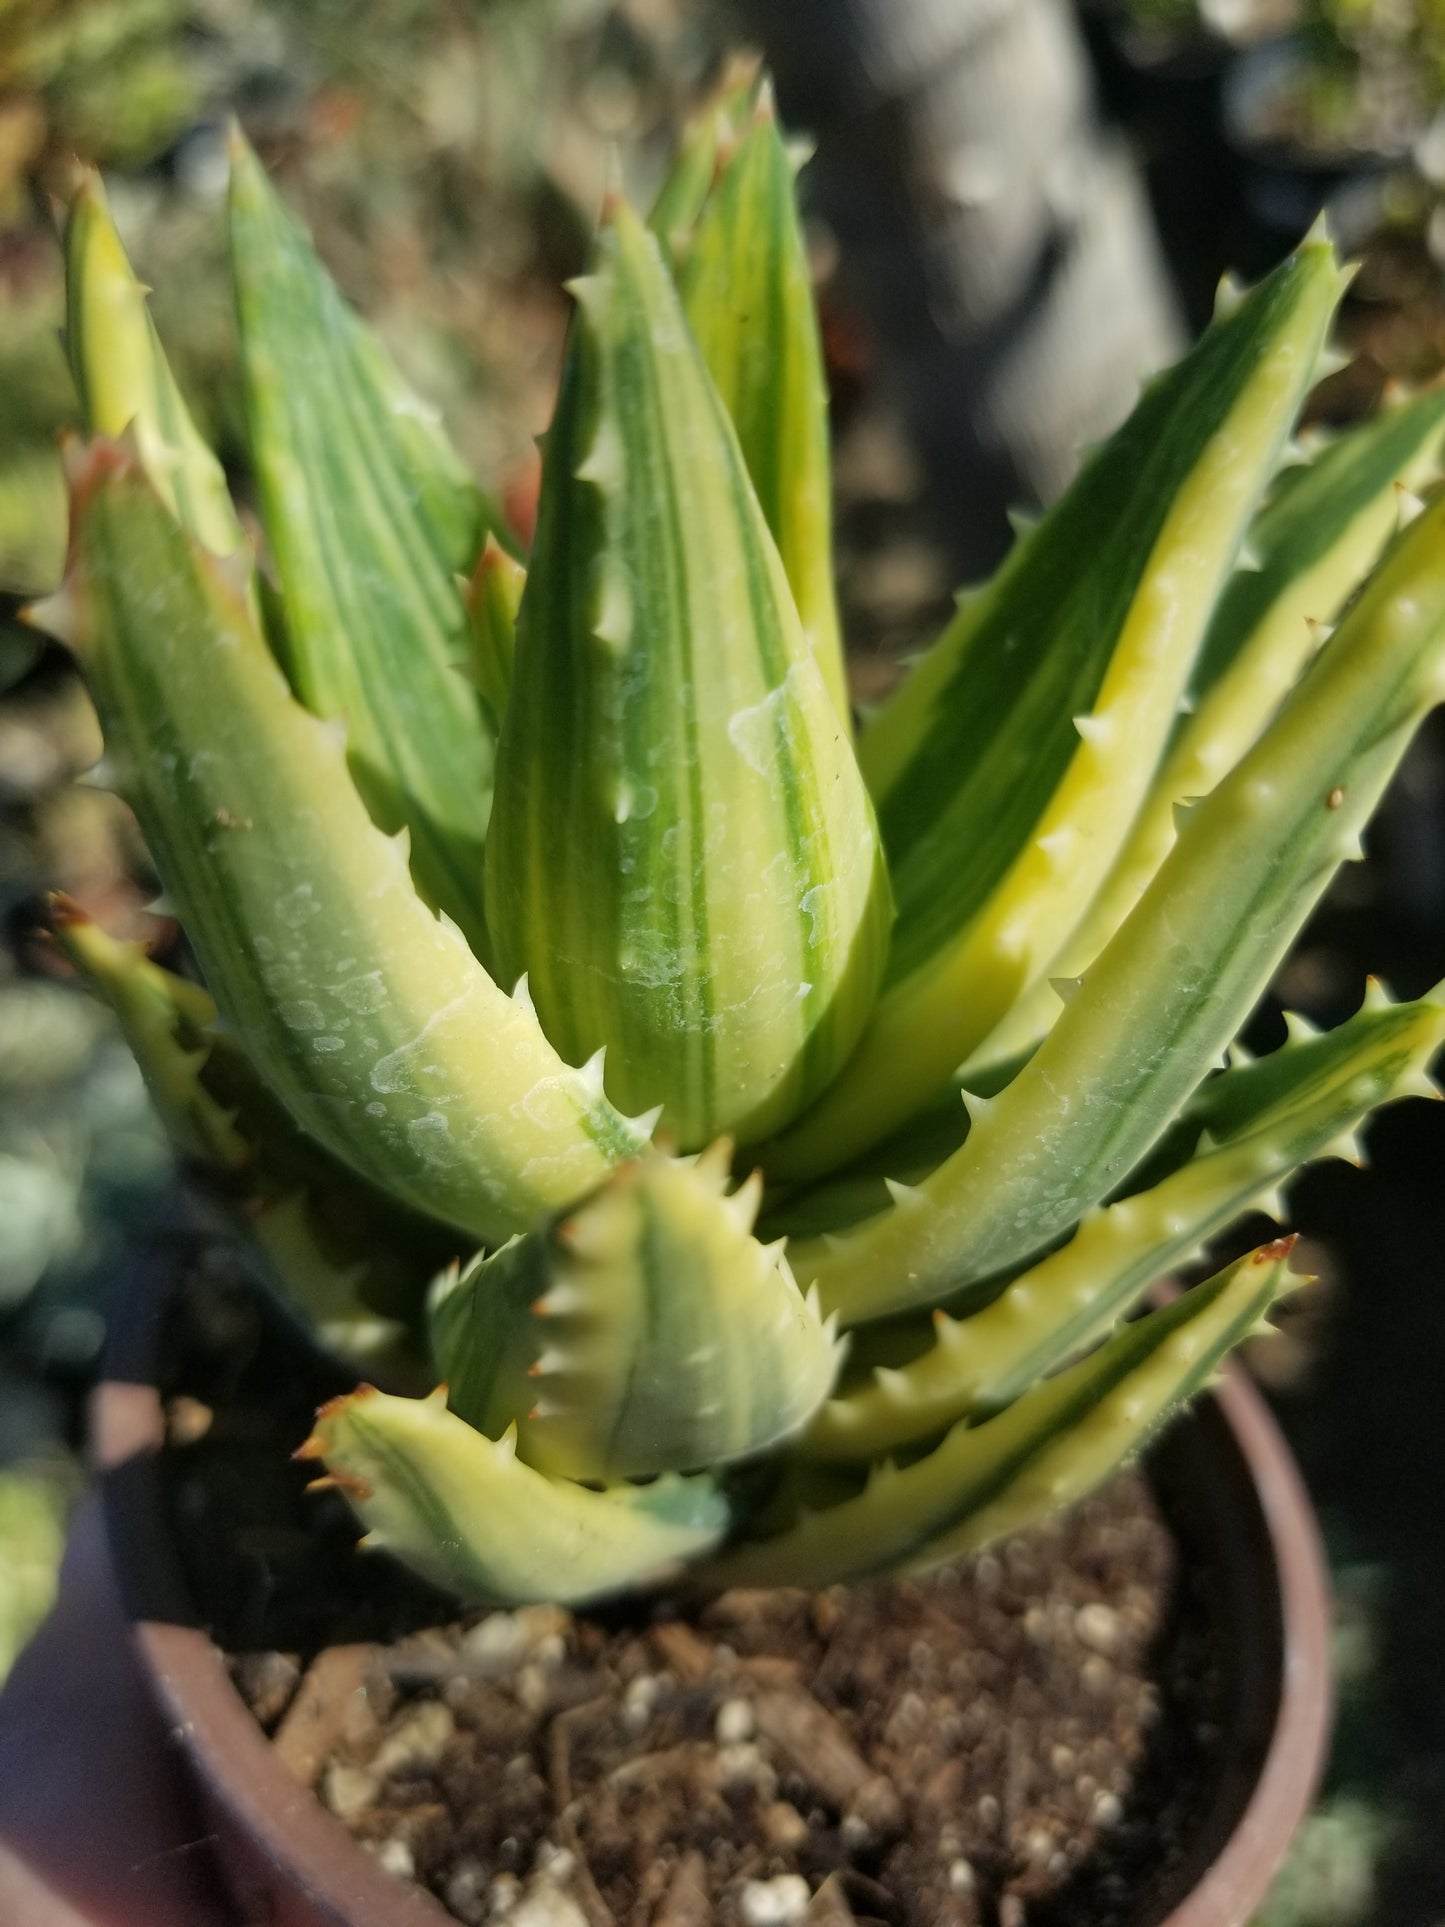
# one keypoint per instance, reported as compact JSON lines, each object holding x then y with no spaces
{"x":1229,"y":191}
{"x":1168,"y":96}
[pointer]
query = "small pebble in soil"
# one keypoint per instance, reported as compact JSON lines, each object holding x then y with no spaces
{"x":557,"y":1863}
{"x":856,"y":1834}
{"x":774,"y":1903}
{"x":467,"y":1892}
{"x":549,"y":1652}
{"x":734,"y":1723}
{"x":396,"y":1857}
{"x":1100,"y":1628}
{"x":267,"y":1681}
{"x":1038,"y":1846}
{"x":1096,"y":1676}
{"x":987,"y":1574}
{"x":416,"y":1740}
{"x":348,"y":1790}
{"x":1107,"y":1811}
{"x":961,"y":1877}
{"x":494,"y":1646}
{"x":784,"y":1827}
{"x":743,"y":1765}
{"x":639,"y":1701}
{"x":532,"y":1689}
{"x":544,"y":1905}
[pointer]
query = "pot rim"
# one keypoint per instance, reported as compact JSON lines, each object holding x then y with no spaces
{"x":284,"y":1834}
{"x":1240,"y":1876}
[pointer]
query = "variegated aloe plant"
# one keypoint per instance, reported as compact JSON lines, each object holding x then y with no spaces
{"x":538,"y":899}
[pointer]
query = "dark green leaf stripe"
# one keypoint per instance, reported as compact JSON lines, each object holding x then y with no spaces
{"x":580,"y":1334}
{"x":1312,"y":507}
{"x":665,"y":688}
{"x":1172,"y":989}
{"x":987,"y":733}
{"x":748,"y":298}
{"x":1385,"y":1044}
{"x":166,"y":1020}
{"x":1010,"y":765}
{"x":707,"y":133}
{"x":1312,"y":544}
{"x":463,"y":1510}
{"x":1049,"y":1448}
{"x":1305,"y":1101}
{"x":344,"y":1254}
{"x":370,"y":518}
{"x":365,"y":1014}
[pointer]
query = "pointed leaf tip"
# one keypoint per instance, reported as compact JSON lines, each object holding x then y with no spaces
{"x":1277,"y":1251}
{"x":1409,"y":505}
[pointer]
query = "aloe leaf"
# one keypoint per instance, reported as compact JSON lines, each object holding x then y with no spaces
{"x":365,"y":1014}
{"x":167,"y":1023}
{"x":1325,"y":525}
{"x":1009,"y":766}
{"x":696,"y":757}
{"x":370,"y":517}
{"x":493,"y":597}
{"x":1304,"y":1101}
{"x":331,"y":1291}
{"x":708,"y":135}
{"x":352,"y":1262}
{"x":1048,"y":1449}
{"x":1160,"y":1006}
{"x":1312,"y":544}
{"x":644,"y":1330}
{"x":748,"y":297}
{"x":124,"y":380}
{"x":463,"y":1511}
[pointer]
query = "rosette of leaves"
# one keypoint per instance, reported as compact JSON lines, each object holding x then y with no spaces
{"x":554,"y":923}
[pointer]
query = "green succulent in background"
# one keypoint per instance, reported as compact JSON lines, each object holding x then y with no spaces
{"x":1367,"y":74}
{"x":106,"y":76}
{"x":1374,"y":71}
{"x":33,"y":1505}
{"x":540,"y":899}
{"x":35,"y":399}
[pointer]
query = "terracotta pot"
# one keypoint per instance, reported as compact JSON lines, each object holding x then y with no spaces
{"x":1226,"y":1481}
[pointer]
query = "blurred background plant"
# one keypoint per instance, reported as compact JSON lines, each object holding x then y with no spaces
{"x":109,"y":78}
{"x":1371,"y":70}
{"x":1344,"y":99}
{"x":1376,"y":70}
